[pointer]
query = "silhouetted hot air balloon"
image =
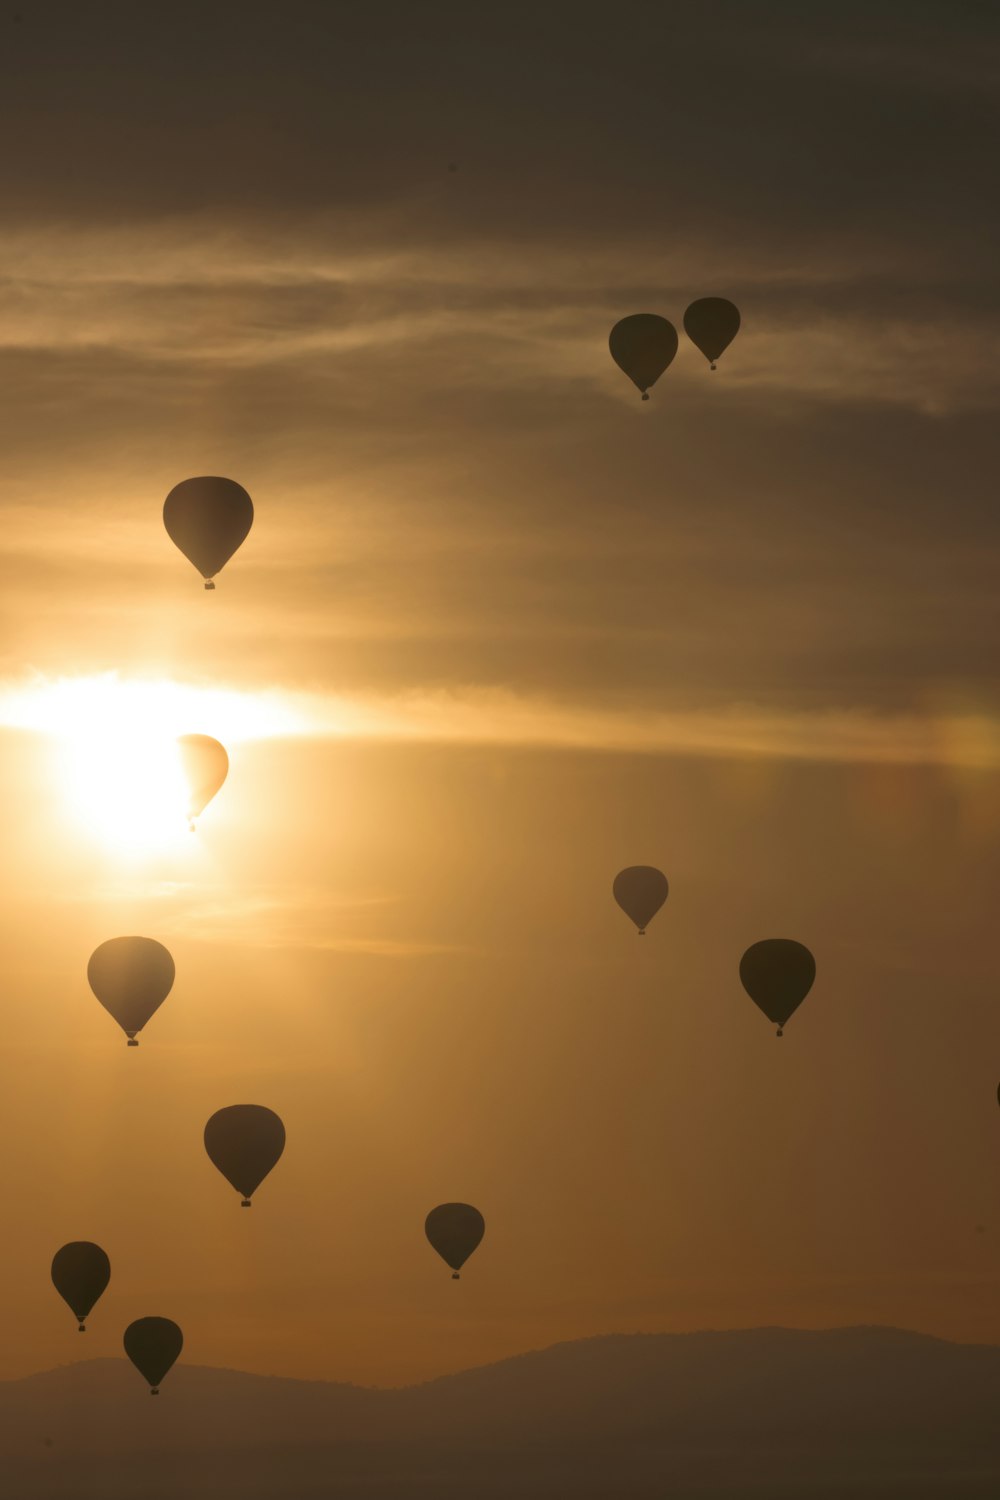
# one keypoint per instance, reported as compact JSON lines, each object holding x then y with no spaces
{"x":454,"y":1230}
{"x":640,"y":892}
{"x":777,"y":974}
{"x":153,"y":1344}
{"x":208,"y":518}
{"x":244,"y":1141}
{"x":643,"y":345}
{"x":205,"y":765}
{"x":80,"y":1273}
{"x":711,"y":324}
{"x":131,"y":976}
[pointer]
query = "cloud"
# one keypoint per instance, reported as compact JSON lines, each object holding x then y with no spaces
{"x":503,"y":718}
{"x":273,"y":274}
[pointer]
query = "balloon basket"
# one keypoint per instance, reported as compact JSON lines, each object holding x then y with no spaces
{"x":82,"y":1328}
{"x":132,"y":1042}
{"x":245,"y":1203}
{"x":211,"y":585}
{"x":455,"y":1276}
{"x":155,"y":1391}
{"x":645,"y":395}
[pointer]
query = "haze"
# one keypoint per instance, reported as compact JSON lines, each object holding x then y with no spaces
{"x":499,"y":630}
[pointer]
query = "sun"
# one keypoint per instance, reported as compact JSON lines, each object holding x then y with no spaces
{"x":124,"y":783}
{"x":120,"y":769}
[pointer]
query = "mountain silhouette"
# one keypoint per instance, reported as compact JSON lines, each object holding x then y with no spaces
{"x":789,"y":1415}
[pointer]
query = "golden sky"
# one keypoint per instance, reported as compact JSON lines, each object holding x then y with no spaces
{"x":499,"y":630}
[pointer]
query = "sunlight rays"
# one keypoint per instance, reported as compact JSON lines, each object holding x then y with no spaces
{"x":119,"y":768}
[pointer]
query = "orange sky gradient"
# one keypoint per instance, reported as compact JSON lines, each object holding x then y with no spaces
{"x":499,"y":630}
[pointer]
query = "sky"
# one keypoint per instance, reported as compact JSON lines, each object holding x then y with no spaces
{"x":499,"y":630}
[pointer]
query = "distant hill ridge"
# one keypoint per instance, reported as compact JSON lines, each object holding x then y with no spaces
{"x":844,"y":1412}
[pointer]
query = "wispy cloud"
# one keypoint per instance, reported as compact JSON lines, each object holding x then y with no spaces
{"x":504,"y":718}
{"x":189,"y":297}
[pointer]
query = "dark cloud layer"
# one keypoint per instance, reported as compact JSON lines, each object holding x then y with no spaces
{"x":865,"y":118}
{"x":234,"y":243}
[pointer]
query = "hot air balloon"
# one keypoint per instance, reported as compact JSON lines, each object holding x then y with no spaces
{"x":80,"y":1272}
{"x":454,"y":1230}
{"x":205,"y":765}
{"x":711,"y":324}
{"x":777,"y":974}
{"x":643,"y":345}
{"x":244,"y":1141}
{"x":208,"y":518}
{"x":131,"y":976}
{"x":153,"y":1344}
{"x":640,"y":892}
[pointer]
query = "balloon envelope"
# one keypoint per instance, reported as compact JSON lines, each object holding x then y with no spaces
{"x":643,"y":345}
{"x":205,"y":764}
{"x":131,"y":976}
{"x":153,"y":1344}
{"x":777,"y":974}
{"x":244,"y":1141}
{"x":80,"y":1273}
{"x":208,"y":518}
{"x":711,"y":324}
{"x":640,"y":892}
{"x":454,"y":1230}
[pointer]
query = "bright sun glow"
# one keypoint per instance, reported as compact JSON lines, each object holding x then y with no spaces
{"x":120,"y":767}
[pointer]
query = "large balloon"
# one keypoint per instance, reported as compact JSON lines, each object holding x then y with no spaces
{"x":205,"y":765}
{"x":244,"y":1141}
{"x":640,"y":892}
{"x":153,"y":1344}
{"x":711,"y":324}
{"x":80,"y":1272}
{"x":777,"y":974}
{"x":643,"y":346}
{"x":131,"y":976}
{"x":454,"y":1230}
{"x":208,"y":518}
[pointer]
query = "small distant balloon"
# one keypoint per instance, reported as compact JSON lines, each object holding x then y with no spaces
{"x":711,"y":324}
{"x":207,"y":519}
{"x":640,"y":892}
{"x":131,"y":977}
{"x":454,"y":1230}
{"x":244,"y":1141}
{"x":80,"y":1273}
{"x":153,"y":1344}
{"x":205,"y":765}
{"x":777,"y":974}
{"x":643,"y":345}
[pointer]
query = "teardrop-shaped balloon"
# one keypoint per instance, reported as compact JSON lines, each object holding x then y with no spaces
{"x":205,"y":765}
{"x":208,"y":518}
{"x":80,"y":1273}
{"x":777,"y":974}
{"x":454,"y":1230}
{"x":711,"y":324}
{"x":244,"y":1141}
{"x":153,"y":1344}
{"x":640,"y":892}
{"x":131,"y":976}
{"x":643,"y":345}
